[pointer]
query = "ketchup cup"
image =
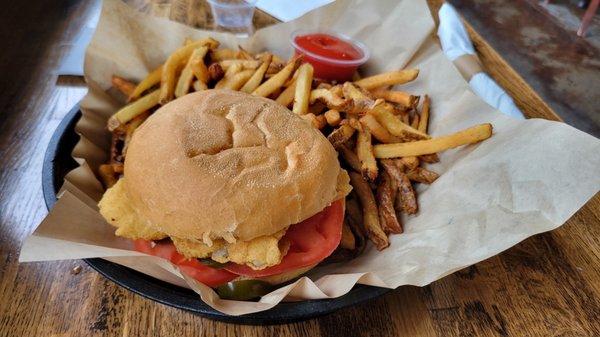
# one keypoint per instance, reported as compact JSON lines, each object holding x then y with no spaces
{"x":329,"y":68}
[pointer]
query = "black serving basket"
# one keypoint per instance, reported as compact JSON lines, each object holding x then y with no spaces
{"x":58,"y":161}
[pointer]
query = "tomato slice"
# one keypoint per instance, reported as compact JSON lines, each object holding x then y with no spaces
{"x":311,"y":241}
{"x":165,"y":249}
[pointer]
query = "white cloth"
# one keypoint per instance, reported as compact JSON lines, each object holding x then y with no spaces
{"x":287,"y":10}
{"x":455,"y":43}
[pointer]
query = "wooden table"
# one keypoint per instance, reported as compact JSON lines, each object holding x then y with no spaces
{"x":547,"y":285}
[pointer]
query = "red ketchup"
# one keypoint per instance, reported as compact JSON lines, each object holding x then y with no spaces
{"x":332,"y":57}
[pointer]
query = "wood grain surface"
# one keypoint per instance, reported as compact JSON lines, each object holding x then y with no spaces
{"x":548,"y":285}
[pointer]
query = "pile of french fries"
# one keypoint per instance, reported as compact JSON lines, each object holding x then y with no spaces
{"x":380,"y":134}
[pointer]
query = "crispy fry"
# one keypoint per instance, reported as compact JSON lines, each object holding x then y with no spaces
{"x":232,"y":70}
{"x":134,"y":109}
{"x":274,"y":67}
{"x":393,"y":124}
{"x":186,"y":77}
{"x":275,"y":82}
{"x":199,"y":86}
{"x":399,"y":97}
{"x":236,"y":81}
{"x":361,"y":103}
{"x":243,"y":54}
{"x":410,"y":162}
{"x":315,"y":121}
{"x":107,"y":175}
{"x":405,"y":119}
{"x":329,"y":98}
{"x":324,"y":85}
{"x":364,"y":151}
{"x":302,"y":92}
{"x":386,"y":194}
{"x":415,"y":122}
{"x":287,"y":96}
{"x":467,"y":136}
{"x":424,"y":115}
{"x":377,"y":130}
{"x":390,"y":78}
{"x":347,"y":241}
{"x":171,"y":66}
{"x":124,"y":86}
{"x":337,"y":90}
{"x":151,"y":80}
{"x":430,"y":158}
{"x":406,"y":200}
{"x":222,"y":54}
{"x":422,"y":175}
{"x":130,"y":129}
{"x":333,"y":117}
{"x":350,"y":157}
{"x":258,"y":75}
{"x":318,"y":108}
{"x":245,"y":64}
{"x":197,"y":65}
{"x":341,"y":135}
{"x":215,"y":72}
{"x":354,"y":211}
{"x":370,"y":212}
{"x":118,"y":168}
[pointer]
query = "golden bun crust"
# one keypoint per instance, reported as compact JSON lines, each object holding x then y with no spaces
{"x":225,"y":164}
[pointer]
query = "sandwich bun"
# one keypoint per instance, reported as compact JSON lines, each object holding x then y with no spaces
{"x":224,"y":164}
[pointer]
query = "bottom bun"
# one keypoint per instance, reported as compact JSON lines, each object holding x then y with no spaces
{"x":279,"y":278}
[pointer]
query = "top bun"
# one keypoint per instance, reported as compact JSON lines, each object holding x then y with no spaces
{"x":225,"y":164}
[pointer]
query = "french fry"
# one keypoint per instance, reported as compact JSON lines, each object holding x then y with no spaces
{"x":415,"y":122}
{"x":245,"y":64}
{"x":430,"y":158}
{"x":197,"y":65}
{"x":424,"y":115}
{"x":258,"y":75}
{"x":399,"y":97}
{"x":321,"y":121}
{"x":124,"y":86}
{"x":329,"y":98}
{"x":274,"y":67}
{"x":199,"y":85}
{"x":333,"y":117}
{"x":107,"y":175}
{"x":215,"y":72}
{"x":171,"y":66}
{"x":393,"y":124}
{"x":361,"y":103}
{"x":187,"y":75}
{"x":471,"y":135}
{"x":275,"y":82}
{"x":350,"y":158}
{"x":405,"y":119}
{"x":151,"y":80}
{"x":337,"y":90}
{"x":236,"y":81}
{"x":130,"y":129}
{"x":377,"y":130}
{"x":406,"y":200}
{"x":134,"y":109}
{"x":370,"y":212}
{"x":232,"y":70}
{"x":386,"y":194}
{"x":222,"y":54}
{"x":287,"y":96}
{"x":315,"y":121}
{"x":410,"y":162}
{"x":324,"y":85}
{"x":364,"y":151}
{"x":341,"y":135}
{"x":243,"y":54}
{"x":390,"y":78}
{"x":118,"y":168}
{"x":422,"y":175}
{"x":302,"y":92}
{"x":347,"y":241}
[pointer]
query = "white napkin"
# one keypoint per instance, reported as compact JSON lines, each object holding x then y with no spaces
{"x":287,"y":10}
{"x":456,"y":43}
